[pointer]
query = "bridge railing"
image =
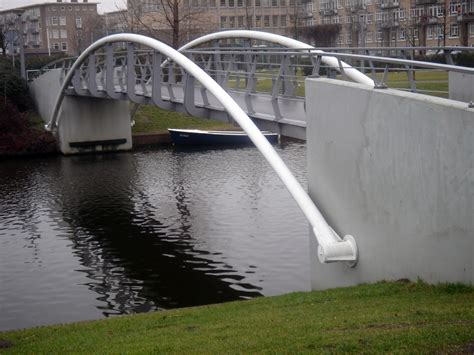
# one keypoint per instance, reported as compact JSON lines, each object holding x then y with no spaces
{"x":280,"y":71}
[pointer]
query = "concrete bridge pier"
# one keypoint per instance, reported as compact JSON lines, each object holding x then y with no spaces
{"x":395,"y":170}
{"x":92,"y":125}
{"x":88,"y":124}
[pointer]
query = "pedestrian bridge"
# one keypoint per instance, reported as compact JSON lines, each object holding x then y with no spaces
{"x":382,"y":163}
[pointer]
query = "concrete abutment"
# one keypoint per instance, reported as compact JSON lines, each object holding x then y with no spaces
{"x":396,"y":171}
{"x":87,"y":124}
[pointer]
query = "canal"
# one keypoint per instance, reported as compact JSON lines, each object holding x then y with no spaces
{"x":93,"y":236}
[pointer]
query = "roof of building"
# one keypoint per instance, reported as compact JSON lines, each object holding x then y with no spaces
{"x":26,"y":7}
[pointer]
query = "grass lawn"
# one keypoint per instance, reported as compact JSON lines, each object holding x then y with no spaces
{"x":394,"y":317}
{"x":152,"y":119}
{"x":429,"y":82}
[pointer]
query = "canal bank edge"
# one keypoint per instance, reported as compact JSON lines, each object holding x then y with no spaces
{"x":401,"y":317}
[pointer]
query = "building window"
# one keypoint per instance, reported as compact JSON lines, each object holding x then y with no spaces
{"x":283,"y":21}
{"x":231,"y":3}
{"x":212,"y":3}
{"x":429,"y":32}
{"x":223,"y":21}
{"x":257,"y":3}
{"x":369,"y":37}
{"x":240,"y":21}
{"x":266,"y":21}
{"x":402,"y":34}
{"x":78,"y":8}
{"x":53,"y":8}
{"x":69,"y":8}
{"x":275,"y":20}
{"x":64,"y":46}
{"x":223,"y":3}
{"x":379,"y":36}
{"x":63,"y":8}
{"x":454,"y":30}
{"x":63,"y":33}
{"x":54,"y":34}
{"x":84,"y":8}
{"x":258,"y":21}
{"x":92,"y":8}
{"x":62,"y":20}
{"x":231,"y":21}
{"x":78,"y":22}
{"x":471,"y":29}
{"x":54,"y":21}
{"x":56,"y":46}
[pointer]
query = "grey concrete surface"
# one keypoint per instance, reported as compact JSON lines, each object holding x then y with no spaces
{"x":88,"y":119}
{"x":461,"y":87}
{"x":395,"y":170}
{"x":83,"y":119}
{"x":44,"y":91}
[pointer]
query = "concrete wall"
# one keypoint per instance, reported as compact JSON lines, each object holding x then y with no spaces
{"x":89,"y":124}
{"x":461,"y":87}
{"x":396,"y":171}
{"x":86,"y":124}
{"x":44,"y":91}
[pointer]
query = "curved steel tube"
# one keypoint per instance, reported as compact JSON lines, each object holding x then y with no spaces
{"x":351,"y":72}
{"x":331,"y":246}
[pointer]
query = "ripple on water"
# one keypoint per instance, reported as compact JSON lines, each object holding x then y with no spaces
{"x":92,"y":236}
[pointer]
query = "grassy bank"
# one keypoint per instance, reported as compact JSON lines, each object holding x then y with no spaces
{"x":152,"y":119}
{"x":384,"y":317}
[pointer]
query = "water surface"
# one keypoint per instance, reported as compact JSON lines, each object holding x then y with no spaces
{"x":92,"y":236}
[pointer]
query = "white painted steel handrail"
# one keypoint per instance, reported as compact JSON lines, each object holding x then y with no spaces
{"x":331,"y":247}
{"x":351,"y":72}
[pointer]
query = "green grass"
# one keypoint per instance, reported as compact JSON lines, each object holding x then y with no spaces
{"x":429,"y":82}
{"x":395,"y":317}
{"x":151,"y":119}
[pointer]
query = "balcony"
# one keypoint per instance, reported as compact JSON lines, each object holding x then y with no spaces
{"x":425,"y":2}
{"x":390,"y":24}
{"x":356,"y":8}
{"x":389,"y":4}
{"x":328,"y":12}
{"x":424,"y":20}
{"x":466,"y":17}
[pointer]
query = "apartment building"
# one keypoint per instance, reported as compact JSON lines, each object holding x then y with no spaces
{"x":198,"y":17}
{"x":388,"y":23}
{"x":60,"y":26}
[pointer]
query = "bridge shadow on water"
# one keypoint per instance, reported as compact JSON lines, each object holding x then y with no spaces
{"x":137,"y":261}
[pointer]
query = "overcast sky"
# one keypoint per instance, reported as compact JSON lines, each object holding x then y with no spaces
{"x":104,"y":5}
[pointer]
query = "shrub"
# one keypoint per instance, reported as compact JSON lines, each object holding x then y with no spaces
{"x":34,"y":62}
{"x":13,"y":87}
{"x":17,"y":136}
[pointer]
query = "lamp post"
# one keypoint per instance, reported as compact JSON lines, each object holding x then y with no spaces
{"x":19,"y":13}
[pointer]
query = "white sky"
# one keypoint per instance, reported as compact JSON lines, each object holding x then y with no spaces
{"x":103,"y":5}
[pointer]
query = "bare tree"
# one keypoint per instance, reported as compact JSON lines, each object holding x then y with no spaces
{"x":88,"y":30}
{"x":297,"y":15}
{"x":170,"y":20}
{"x":323,"y":35}
{"x":7,"y":35}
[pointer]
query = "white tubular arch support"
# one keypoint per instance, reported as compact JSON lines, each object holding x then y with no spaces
{"x":351,"y":72}
{"x":331,"y":246}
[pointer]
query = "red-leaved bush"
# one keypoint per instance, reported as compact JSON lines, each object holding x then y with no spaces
{"x":17,"y":136}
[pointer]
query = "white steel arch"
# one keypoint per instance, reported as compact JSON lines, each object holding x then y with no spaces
{"x":351,"y":72}
{"x":331,"y":247}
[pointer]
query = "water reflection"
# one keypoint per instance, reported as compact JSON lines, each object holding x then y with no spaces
{"x":135,"y":261}
{"x":91,"y":236}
